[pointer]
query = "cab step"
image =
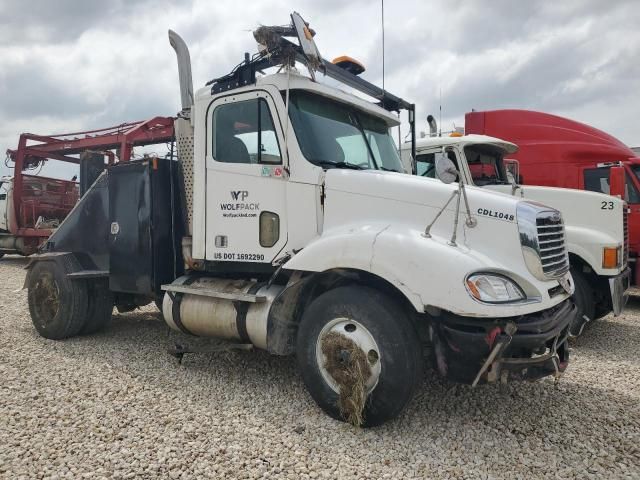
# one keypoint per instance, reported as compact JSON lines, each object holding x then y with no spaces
{"x":207,"y":292}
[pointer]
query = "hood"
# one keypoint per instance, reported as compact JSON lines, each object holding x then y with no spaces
{"x":410,"y":189}
{"x":366,"y":210}
{"x":578,"y":207}
{"x":592,"y":220}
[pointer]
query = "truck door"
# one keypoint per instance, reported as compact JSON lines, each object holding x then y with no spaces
{"x":4,"y":192}
{"x":246,"y":211}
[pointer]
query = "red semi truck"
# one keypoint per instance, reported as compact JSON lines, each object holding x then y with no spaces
{"x":559,"y":152}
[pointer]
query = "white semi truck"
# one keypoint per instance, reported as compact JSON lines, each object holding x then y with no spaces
{"x":287,"y":224}
{"x":595,"y":224}
{"x":5,"y":189}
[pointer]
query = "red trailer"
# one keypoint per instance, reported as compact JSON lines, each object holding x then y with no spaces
{"x":559,"y":152}
{"x":32,"y":206}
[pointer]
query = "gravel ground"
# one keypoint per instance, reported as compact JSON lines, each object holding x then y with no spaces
{"x":116,"y":405}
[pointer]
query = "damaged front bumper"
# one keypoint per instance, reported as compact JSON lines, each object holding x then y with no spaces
{"x":529,"y":347}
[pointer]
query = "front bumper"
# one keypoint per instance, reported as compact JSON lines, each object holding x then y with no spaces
{"x":529,"y":347}
{"x":619,"y":286}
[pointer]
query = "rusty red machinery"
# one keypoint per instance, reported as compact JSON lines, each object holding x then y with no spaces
{"x":35,"y":197}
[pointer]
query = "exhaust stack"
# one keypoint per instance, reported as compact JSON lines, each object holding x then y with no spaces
{"x":184,"y":70}
{"x":184,"y":134}
{"x":433,"y":126}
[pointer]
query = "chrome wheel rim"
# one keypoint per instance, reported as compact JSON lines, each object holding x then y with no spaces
{"x":357,"y":333}
{"x":47,"y":299}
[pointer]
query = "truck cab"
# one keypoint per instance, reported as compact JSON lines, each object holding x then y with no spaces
{"x":595,"y":224}
{"x":286,"y":224}
{"x":596,"y":177}
{"x":555,"y":151}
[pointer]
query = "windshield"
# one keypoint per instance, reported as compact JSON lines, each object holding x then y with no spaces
{"x":335,"y":135}
{"x":485,"y":164}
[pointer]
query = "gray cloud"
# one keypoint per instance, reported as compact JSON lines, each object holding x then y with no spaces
{"x":559,"y":57}
{"x":69,"y":64}
{"x":27,"y":91}
{"x":60,"y":21}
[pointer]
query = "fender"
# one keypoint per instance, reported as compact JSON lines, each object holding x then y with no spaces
{"x":428,"y":272}
{"x":587,"y":244}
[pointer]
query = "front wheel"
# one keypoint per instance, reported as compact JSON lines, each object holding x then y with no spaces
{"x":359,"y":355}
{"x":584,"y":298}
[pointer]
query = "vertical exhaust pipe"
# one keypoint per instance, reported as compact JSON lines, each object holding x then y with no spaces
{"x":433,"y":126}
{"x":184,"y":139}
{"x":184,"y":70}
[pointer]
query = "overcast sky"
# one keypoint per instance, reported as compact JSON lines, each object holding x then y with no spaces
{"x":78,"y":64}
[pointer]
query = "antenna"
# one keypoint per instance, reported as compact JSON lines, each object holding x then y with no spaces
{"x":440,"y":121}
{"x":382,"y":8}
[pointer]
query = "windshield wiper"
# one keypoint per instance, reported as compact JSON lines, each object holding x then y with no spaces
{"x":327,"y":163}
{"x":388,"y":169}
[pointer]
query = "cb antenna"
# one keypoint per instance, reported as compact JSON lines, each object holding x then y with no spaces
{"x":440,"y":121}
{"x":382,"y":18}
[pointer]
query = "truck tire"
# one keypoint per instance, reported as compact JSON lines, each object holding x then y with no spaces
{"x":99,"y":306}
{"x":381,"y":329}
{"x":584,"y":298}
{"x":58,"y":305}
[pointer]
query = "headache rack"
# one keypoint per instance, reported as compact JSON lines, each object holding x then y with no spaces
{"x":279,"y":51}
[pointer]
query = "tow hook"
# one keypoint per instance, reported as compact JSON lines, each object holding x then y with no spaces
{"x":556,"y":359}
{"x":501,"y":343}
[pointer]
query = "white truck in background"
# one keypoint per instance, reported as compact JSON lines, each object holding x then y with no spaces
{"x":300,"y":234}
{"x":6,"y":239}
{"x":594,"y":223}
{"x":5,"y":185}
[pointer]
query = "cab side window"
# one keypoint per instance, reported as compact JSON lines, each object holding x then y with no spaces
{"x":425,"y":165}
{"x":243,"y":132}
{"x":597,"y":180}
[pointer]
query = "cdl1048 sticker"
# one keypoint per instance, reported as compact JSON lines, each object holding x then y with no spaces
{"x":485,"y":212}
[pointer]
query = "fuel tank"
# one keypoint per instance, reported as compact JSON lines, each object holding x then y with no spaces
{"x":221,"y":308}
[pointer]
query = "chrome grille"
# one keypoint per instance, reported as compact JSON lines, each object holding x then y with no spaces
{"x":551,"y":244}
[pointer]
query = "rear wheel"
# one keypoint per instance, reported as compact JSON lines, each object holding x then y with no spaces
{"x":99,"y":306}
{"x":584,"y":298}
{"x":58,"y":305}
{"x":359,"y":355}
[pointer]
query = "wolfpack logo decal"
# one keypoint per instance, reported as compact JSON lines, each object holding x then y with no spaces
{"x":235,"y":194}
{"x":509,"y":217}
{"x":242,"y":208}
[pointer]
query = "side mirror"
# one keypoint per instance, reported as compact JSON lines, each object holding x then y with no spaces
{"x":617,"y":181}
{"x":513,"y":170}
{"x":445,"y":169}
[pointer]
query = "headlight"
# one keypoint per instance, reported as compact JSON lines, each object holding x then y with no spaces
{"x":491,"y":288}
